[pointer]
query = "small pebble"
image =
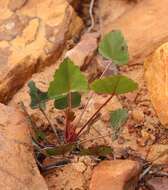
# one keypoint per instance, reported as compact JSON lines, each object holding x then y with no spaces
{"x":138,"y":115}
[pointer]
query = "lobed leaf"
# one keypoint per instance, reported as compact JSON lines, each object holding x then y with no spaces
{"x":59,"y":150}
{"x":116,"y":84}
{"x":62,"y":101}
{"x":118,"y":118}
{"x":38,"y":98}
{"x":101,"y":150}
{"x":114,"y":47}
{"x":68,"y":78}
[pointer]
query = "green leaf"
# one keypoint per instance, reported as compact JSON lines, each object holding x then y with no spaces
{"x":118,"y":118}
{"x":68,"y":78}
{"x":59,"y":150}
{"x":40,"y":135}
{"x":38,"y":98}
{"x":116,"y":84}
{"x":62,"y":102}
{"x":101,"y":150}
{"x":114,"y":47}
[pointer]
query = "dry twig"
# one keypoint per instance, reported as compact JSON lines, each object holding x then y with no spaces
{"x":91,"y":15}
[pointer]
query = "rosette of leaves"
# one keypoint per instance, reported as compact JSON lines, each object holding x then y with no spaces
{"x":69,"y":83}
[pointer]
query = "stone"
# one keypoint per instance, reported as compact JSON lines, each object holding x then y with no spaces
{"x":158,"y":154}
{"x":33,"y":34}
{"x":18,"y":169}
{"x":146,"y":14}
{"x":83,"y":52}
{"x":138,"y":115}
{"x":156,"y":68}
{"x":115,"y":174}
{"x":158,"y":183}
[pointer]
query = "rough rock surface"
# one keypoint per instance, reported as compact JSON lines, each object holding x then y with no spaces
{"x":148,"y":31}
{"x":83,"y":52}
{"x":156,"y":75}
{"x":158,"y":154}
{"x":32,"y":35}
{"x":110,"y":10}
{"x":116,"y":174}
{"x":158,"y":183}
{"x":18,"y":170}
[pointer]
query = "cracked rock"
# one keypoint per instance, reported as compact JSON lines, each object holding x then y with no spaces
{"x":23,"y":33}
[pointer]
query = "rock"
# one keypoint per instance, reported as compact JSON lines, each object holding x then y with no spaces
{"x":18,"y":169}
{"x":158,"y":154}
{"x":116,"y":174}
{"x":83,"y":52}
{"x":138,"y":115}
{"x":14,"y":5}
{"x":33,"y":35}
{"x":157,"y":81}
{"x":139,"y":32}
{"x":158,"y":183}
{"x":107,"y":16}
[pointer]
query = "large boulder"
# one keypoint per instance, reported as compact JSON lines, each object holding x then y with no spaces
{"x":18,"y":170}
{"x":32,"y":35}
{"x":139,"y":22}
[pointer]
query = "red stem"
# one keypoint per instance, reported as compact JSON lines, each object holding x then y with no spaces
{"x":92,"y":117}
{"x":68,"y":111}
{"x":92,"y":94}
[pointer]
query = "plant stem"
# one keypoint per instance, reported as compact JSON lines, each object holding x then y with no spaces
{"x":33,"y":124}
{"x":92,"y":117}
{"x":92,"y":139}
{"x":68,"y":111}
{"x":54,"y":165}
{"x":67,"y":123}
{"x":91,"y":95}
{"x":53,"y":128}
{"x":34,"y":127}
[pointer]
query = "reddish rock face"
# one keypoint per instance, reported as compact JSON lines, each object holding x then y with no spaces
{"x":83,"y":52}
{"x":18,"y":169}
{"x":115,"y":175}
{"x":141,"y":41}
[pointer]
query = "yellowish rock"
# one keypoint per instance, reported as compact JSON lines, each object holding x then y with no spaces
{"x":156,"y":75}
{"x":33,"y":35}
{"x":158,"y":154}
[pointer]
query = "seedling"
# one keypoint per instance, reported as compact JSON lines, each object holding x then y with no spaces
{"x":69,"y":84}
